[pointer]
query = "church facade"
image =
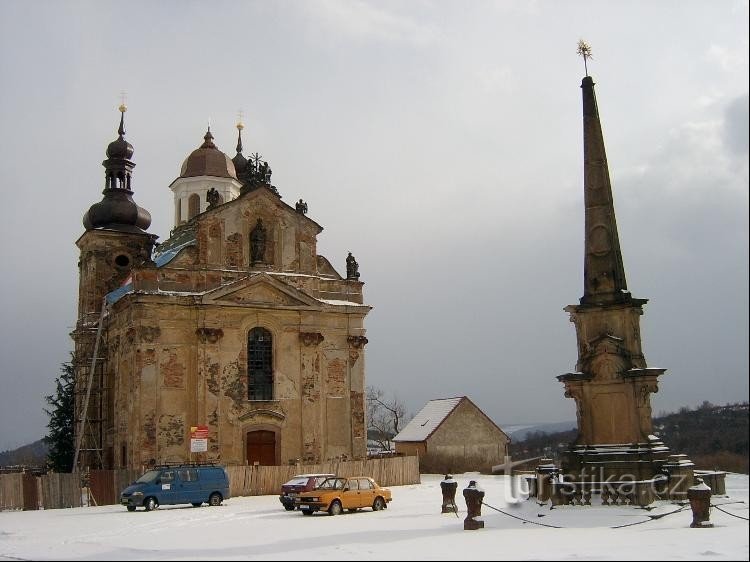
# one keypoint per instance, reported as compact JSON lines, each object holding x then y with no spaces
{"x":231,"y":341}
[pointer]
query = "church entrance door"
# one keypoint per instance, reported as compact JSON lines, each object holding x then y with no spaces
{"x":261,"y":448}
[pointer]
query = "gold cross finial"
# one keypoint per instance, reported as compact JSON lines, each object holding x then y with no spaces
{"x":584,"y":49}
{"x":240,"y":125}
{"x":123,"y":108}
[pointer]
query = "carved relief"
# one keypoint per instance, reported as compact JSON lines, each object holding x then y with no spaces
{"x":644,"y":407}
{"x":606,"y":367}
{"x":599,"y":240}
{"x":357,"y":342}
{"x":311,"y":338}
{"x":209,"y":335}
{"x":130,"y":335}
{"x":605,"y":359}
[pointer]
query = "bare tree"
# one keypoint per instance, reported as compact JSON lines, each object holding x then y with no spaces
{"x":385,"y":417}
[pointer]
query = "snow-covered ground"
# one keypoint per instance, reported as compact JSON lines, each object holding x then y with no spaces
{"x":412,"y":528}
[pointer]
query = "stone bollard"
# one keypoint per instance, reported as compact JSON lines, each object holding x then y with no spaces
{"x":449,"y":487}
{"x":545,"y":475}
{"x":700,"y":502}
{"x":473,"y":495}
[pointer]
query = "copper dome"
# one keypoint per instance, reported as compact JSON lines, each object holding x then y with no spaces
{"x":208,"y":161}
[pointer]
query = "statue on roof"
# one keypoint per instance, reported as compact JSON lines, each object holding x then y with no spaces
{"x":258,"y":243}
{"x":256,"y":173}
{"x":301,"y":207}
{"x":352,"y":268}
{"x":213,"y":198}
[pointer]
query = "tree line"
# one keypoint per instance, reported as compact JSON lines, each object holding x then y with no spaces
{"x":713,"y":437}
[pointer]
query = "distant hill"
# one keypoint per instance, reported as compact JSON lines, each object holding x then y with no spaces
{"x":713,"y":437}
{"x":521,"y":432}
{"x":33,"y":454}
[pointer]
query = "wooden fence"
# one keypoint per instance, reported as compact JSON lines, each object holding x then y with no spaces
{"x":55,"y":491}
{"x":49,"y":491}
{"x":264,"y":480}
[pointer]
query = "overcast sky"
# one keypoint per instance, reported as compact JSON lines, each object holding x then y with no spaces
{"x":438,"y":141}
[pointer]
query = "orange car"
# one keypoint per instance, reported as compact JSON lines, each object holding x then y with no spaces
{"x":336,"y":494}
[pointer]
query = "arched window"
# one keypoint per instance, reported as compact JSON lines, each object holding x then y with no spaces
{"x":259,"y":364}
{"x":194,"y":205}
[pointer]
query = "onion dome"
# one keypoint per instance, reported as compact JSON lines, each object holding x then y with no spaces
{"x":117,"y":210}
{"x":207,"y":160}
{"x":120,"y":148}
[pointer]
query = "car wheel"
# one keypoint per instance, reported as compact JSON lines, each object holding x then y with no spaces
{"x":150,"y":504}
{"x":215,"y":499}
{"x":197,"y":504}
{"x":335,"y":508}
{"x":378,"y":504}
{"x":131,"y":508}
{"x":307,"y":512}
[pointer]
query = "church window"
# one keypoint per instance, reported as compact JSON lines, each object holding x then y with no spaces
{"x":194,"y":205}
{"x":259,"y":364}
{"x":122,"y":261}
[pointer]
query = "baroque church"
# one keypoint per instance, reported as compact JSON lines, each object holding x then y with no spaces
{"x":234,"y":329}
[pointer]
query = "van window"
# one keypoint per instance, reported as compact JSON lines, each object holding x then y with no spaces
{"x":188,"y":474}
{"x":149,"y":477}
{"x":167,"y":476}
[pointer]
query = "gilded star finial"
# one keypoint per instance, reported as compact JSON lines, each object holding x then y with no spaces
{"x":584,"y":49}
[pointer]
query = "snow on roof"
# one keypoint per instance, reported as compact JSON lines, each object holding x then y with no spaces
{"x":428,"y":419}
{"x":341,"y":303}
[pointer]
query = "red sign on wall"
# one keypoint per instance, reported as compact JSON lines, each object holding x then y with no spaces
{"x":199,"y":432}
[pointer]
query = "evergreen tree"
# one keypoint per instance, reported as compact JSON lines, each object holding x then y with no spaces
{"x":61,"y":434}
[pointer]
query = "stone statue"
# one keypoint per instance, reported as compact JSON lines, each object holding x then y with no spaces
{"x":301,"y":207}
{"x":258,"y":243}
{"x":213,"y":198}
{"x":264,"y":173}
{"x":352,"y":267}
{"x":474,"y":496}
{"x":448,"y":487}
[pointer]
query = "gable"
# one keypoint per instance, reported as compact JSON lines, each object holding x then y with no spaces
{"x":469,"y":425}
{"x":260,"y":202}
{"x":260,"y":290}
{"x":427,"y":419}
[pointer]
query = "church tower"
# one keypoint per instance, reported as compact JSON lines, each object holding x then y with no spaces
{"x":612,"y":384}
{"x":206,"y":169}
{"x":115,"y":241}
